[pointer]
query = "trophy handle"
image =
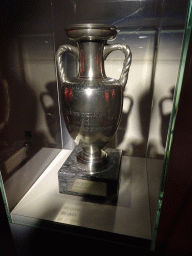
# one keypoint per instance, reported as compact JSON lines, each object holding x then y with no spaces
{"x":127,"y":61}
{"x":63,"y":49}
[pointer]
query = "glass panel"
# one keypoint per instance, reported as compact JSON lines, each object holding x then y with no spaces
{"x":29,"y":121}
{"x":185,"y":44}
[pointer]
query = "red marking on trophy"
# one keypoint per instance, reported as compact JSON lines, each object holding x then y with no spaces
{"x":113,"y":93}
{"x":106,"y":96}
{"x":70,"y":94}
{"x":66,"y":93}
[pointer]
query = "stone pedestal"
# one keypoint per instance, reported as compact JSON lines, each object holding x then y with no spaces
{"x":75,"y":180}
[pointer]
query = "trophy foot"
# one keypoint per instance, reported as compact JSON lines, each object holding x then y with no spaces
{"x":93,"y":159}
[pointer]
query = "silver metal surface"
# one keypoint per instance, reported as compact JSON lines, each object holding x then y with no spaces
{"x":92,"y":102}
{"x":91,"y":31}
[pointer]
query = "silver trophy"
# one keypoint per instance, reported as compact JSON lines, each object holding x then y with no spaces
{"x":91,"y":102}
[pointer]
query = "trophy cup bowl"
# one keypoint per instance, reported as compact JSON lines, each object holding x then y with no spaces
{"x":92,"y":115}
{"x":92,"y":102}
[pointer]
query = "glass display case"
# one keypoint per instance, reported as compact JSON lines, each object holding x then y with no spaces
{"x":34,"y":141}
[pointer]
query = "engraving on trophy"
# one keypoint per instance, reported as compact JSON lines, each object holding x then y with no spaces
{"x":89,"y":121}
{"x":91,"y":129}
{"x":73,"y":113}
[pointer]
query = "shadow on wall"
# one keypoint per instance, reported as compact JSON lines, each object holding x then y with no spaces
{"x":164,"y":110}
{"x":18,"y":113}
{"x":136,"y":146}
{"x":165,"y":116}
{"x":142,"y":148}
{"x":20,"y":135}
{"x":20,"y":138}
{"x":49,"y":103}
{"x":128,"y":105}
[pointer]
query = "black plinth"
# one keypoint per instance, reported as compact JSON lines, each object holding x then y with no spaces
{"x":75,"y":180}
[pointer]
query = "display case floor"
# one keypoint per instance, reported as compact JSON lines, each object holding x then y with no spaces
{"x":131,"y":215}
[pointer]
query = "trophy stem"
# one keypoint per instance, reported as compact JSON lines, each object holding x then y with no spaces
{"x":93,"y":159}
{"x":91,"y":62}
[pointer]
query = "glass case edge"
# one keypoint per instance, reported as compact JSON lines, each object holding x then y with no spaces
{"x":186,"y":38}
{"x":2,"y":189}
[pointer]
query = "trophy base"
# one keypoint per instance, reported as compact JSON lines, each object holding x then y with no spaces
{"x":76,"y":180}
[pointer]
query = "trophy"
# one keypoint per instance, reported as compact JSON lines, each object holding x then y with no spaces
{"x":92,"y":107}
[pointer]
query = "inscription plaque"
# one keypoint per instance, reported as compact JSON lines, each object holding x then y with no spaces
{"x":87,"y":187}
